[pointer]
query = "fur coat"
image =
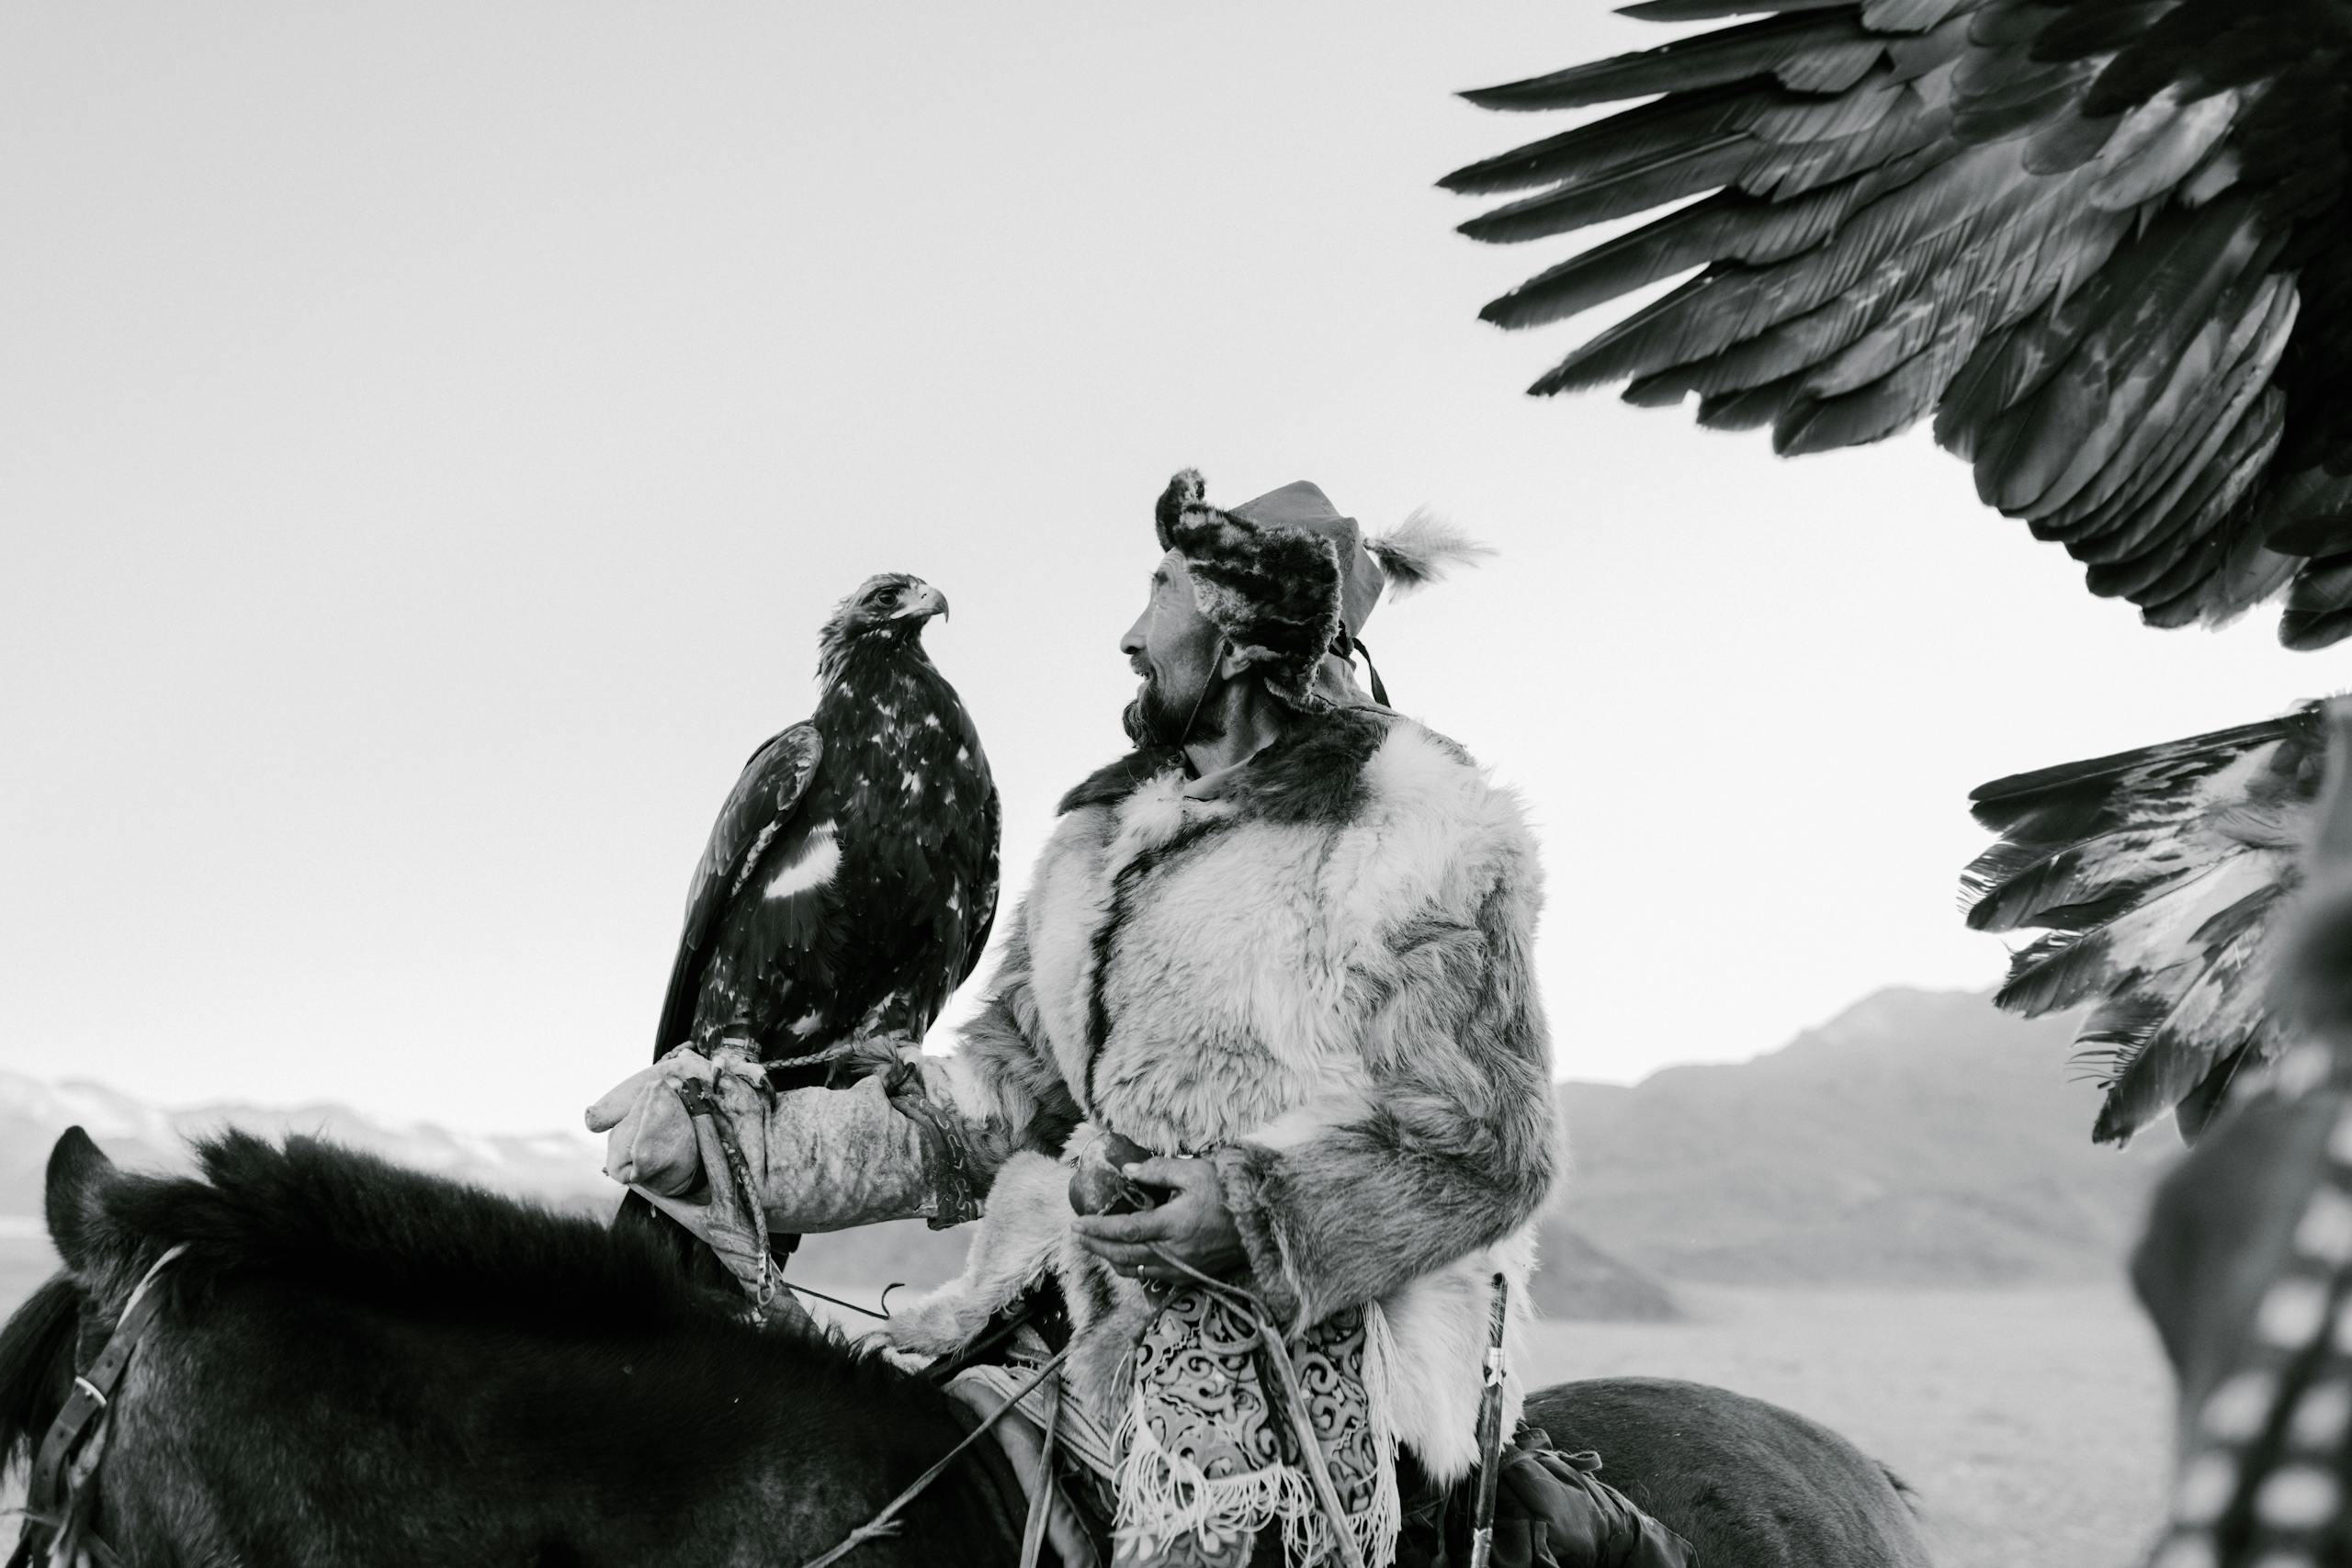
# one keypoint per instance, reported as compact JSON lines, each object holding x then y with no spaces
{"x":1314,"y":970}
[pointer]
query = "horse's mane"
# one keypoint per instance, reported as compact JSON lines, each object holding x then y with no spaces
{"x":334,"y":1227}
{"x":347,"y":1222}
{"x":338,"y":1220}
{"x":36,"y":1366}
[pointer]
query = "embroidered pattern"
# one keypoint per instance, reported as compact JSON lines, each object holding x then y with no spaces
{"x":1211,"y":1459}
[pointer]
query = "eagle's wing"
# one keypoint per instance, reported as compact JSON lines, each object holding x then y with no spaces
{"x":984,"y":893}
{"x":761,"y":805}
{"x":950,"y":837}
{"x":2157,"y":877}
{"x":2101,"y":240}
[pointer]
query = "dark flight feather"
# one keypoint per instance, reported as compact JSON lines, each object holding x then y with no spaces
{"x":766,"y":800}
{"x":2099,"y":243}
{"x":2157,"y":877}
{"x":1823,"y":51}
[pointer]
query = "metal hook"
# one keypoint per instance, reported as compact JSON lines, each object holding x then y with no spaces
{"x":851,"y":1306}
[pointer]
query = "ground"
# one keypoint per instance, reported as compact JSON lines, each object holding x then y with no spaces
{"x":2032,"y":1422}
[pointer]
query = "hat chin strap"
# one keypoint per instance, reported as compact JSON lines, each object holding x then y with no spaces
{"x":1217,"y":657}
{"x":1347,"y":644}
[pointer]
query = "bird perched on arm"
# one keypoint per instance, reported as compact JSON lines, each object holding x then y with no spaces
{"x":850,"y":881}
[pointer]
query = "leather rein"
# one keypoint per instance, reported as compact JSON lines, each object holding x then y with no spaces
{"x":61,"y":1495}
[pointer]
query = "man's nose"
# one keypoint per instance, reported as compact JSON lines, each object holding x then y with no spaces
{"x":1131,"y":641}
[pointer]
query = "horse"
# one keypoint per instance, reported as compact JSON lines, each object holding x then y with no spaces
{"x":353,"y":1364}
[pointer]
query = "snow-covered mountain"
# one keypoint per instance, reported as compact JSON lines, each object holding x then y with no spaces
{"x":556,"y":1166}
{"x":1918,"y":1138}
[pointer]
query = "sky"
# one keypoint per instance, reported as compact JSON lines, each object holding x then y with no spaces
{"x":431,"y":436}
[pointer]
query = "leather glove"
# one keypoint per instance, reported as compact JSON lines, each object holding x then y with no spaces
{"x":649,"y":1139}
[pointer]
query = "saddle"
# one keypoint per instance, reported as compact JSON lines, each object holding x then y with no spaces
{"x":1552,"y":1510}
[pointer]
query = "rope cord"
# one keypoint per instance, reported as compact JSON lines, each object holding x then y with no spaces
{"x":1041,"y":1504}
{"x":887,"y":1521}
{"x":700,"y":1101}
{"x":702,"y":1104}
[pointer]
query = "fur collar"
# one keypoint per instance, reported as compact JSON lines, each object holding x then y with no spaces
{"x":1315,"y":773}
{"x":1113,"y":781}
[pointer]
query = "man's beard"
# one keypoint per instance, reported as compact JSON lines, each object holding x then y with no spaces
{"x":1153,"y":721}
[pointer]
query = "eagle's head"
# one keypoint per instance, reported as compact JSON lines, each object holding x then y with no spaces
{"x":886,"y":612}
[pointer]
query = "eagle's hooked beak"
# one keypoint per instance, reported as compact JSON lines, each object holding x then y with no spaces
{"x":921,"y":601}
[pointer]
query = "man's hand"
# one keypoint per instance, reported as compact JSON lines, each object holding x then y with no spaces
{"x":1194,"y":1225}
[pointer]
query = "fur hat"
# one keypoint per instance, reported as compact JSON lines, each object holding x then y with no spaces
{"x":1287,"y":577}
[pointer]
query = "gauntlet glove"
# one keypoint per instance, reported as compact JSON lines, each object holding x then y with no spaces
{"x":821,"y":1159}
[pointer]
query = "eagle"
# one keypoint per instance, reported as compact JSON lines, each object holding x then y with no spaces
{"x":2102,"y":243}
{"x":2106,"y":247}
{"x":850,"y":881}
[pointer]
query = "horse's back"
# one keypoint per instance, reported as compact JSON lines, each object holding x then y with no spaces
{"x":1748,"y":1485}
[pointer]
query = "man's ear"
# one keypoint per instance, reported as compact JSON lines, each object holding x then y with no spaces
{"x":1233,"y":663}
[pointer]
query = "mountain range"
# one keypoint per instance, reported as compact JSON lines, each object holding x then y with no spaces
{"x":1919,"y":1137}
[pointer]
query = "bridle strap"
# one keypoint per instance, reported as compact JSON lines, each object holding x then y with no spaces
{"x":56,"y":1496}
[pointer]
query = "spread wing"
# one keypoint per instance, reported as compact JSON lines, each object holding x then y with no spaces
{"x":2157,"y":877}
{"x":764,"y":803}
{"x":2098,"y":240}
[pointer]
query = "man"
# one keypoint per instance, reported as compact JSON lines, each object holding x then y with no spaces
{"x":1286,"y":946}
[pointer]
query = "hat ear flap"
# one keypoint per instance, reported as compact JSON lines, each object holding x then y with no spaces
{"x":1185,"y":489}
{"x":1274,"y":591}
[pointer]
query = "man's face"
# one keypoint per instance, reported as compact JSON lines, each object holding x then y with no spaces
{"x":1174,"y":648}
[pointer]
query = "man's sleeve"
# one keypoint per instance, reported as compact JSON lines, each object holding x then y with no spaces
{"x":1002,"y":1082}
{"x":928,"y":1138}
{"x":1451,"y":1145}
